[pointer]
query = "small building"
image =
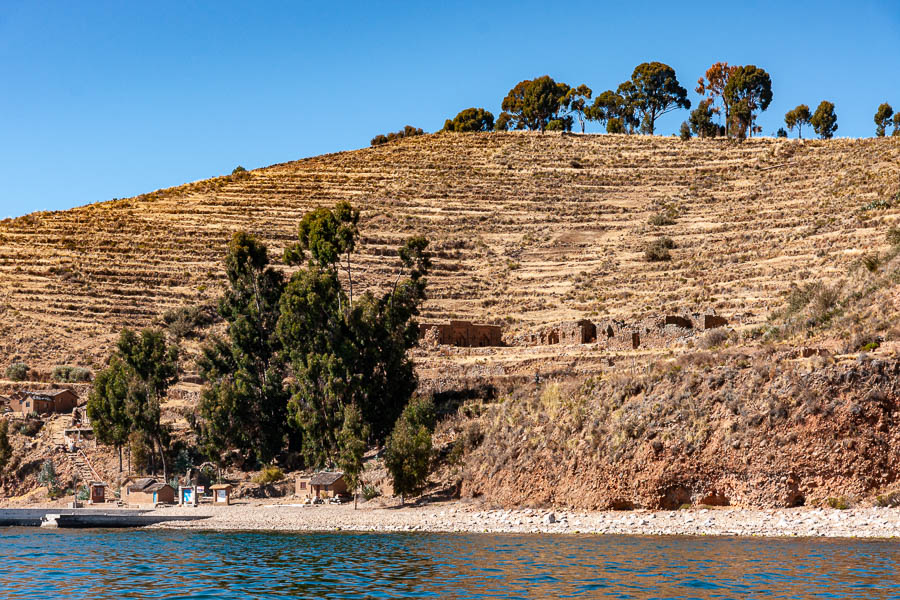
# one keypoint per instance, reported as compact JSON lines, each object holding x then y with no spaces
{"x":221,"y":493}
{"x":462,"y":333}
{"x":98,"y":492}
{"x":43,"y":402}
{"x":147,"y":490}
{"x":187,"y":495}
{"x":325,"y":484}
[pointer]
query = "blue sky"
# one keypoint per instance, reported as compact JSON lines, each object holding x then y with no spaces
{"x":106,"y":100}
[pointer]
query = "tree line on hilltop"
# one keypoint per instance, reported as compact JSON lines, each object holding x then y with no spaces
{"x":733,"y":96}
{"x":311,"y":372}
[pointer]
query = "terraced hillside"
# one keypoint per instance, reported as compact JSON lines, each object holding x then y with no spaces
{"x":527,"y":229}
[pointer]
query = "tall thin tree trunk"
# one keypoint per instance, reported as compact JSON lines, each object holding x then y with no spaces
{"x":120,"y":459}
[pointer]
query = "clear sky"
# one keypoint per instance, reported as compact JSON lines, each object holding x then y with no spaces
{"x":101,"y":100}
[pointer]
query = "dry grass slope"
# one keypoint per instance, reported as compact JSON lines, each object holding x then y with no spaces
{"x":527,"y":229}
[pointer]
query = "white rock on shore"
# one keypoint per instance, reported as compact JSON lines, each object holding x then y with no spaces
{"x":458,"y":517}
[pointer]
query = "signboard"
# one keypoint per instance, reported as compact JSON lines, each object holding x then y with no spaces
{"x":221,"y":496}
{"x":201,"y":490}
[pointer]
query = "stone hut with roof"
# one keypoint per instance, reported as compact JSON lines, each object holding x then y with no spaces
{"x":324,"y":484}
{"x":43,"y":402}
{"x":148,"y":491}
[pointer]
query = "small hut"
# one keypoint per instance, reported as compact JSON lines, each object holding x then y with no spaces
{"x":325,"y":484}
{"x":149,"y":491}
{"x":221,"y":493}
{"x":98,"y":492}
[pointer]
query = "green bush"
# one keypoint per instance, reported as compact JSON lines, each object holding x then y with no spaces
{"x":658,"y":250}
{"x":70,"y":374}
{"x":29,"y":427}
{"x":370,"y":491}
{"x":407,"y":131}
{"x":839,"y":503}
{"x":685,"y":131}
{"x":893,"y":236}
{"x":888,"y":500}
{"x":471,"y":119}
{"x":269,"y":474}
{"x":664,"y":217}
{"x":48,"y":477}
{"x":185,"y":322}
{"x":17,"y":371}
{"x":407,"y":454}
{"x":83,"y":493}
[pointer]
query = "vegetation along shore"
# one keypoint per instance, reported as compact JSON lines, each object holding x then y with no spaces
{"x":513,"y":326}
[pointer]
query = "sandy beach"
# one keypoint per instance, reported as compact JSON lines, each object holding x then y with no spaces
{"x":461,"y":517}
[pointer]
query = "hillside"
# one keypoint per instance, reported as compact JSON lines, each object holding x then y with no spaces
{"x":527,"y":229}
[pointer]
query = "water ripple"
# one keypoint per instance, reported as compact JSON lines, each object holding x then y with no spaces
{"x":178,"y":564}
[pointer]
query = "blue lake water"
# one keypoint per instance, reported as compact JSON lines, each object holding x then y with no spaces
{"x":38,"y":563}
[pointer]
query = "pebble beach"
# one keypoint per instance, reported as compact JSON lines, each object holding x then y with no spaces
{"x":461,"y":517}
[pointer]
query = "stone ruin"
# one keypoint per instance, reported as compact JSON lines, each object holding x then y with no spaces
{"x":618,"y":335}
{"x":569,"y":333}
{"x":464,"y":334}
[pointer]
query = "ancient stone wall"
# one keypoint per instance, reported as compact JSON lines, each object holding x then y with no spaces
{"x":461,"y":333}
{"x":618,"y":335}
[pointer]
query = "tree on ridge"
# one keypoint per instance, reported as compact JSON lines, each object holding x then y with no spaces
{"x":797,"y":118}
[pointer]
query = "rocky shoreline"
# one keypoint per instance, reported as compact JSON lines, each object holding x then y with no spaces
{"x":461,"y":518}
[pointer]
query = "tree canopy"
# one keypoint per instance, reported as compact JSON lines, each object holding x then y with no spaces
{"x":470,"y":119}
{"x":344,"y":351}
{"x":883,"y":118}
{"x":407,"y":131}
{"x":797,"y":118}
{"x":824,"y":120}
{"x":129,"y":392}
{"x":408,"y":449}
{"x":701,"y":120}
{"x":653,"y":91}
{"x":243,"y":404}
{"x":747,"y":92}
{"x":533,"y":103}
{"x":713,"y":85}
{"x":576,"y":101}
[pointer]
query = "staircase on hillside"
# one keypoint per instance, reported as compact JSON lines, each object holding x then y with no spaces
{"x":82,"y":466}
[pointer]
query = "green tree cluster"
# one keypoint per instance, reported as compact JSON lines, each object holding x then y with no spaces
{"x":124,"y":403}
{"x":536,"y":104}
{"x":407,"y":131}
{"x":747,"y":92}
{"x":824,"y":120}
{"x":653,"y":91}
{"x":309,"y":365}
{"x":739,"y":93}
{"x":883,"y":120}
{"x":408,"y":449}
{"x":701,"y":120}
{"x":470,"y":119}
{"x":243,"y":408}
{"x":797,"y":118}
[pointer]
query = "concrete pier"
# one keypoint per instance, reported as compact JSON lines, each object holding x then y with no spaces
{"x":84,"y":518}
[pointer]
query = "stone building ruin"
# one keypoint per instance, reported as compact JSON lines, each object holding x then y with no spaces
{"x":617,"y":335}
{"x":464,"y":334}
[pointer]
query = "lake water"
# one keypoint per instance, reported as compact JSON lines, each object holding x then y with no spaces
{"x":38,"y":563}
